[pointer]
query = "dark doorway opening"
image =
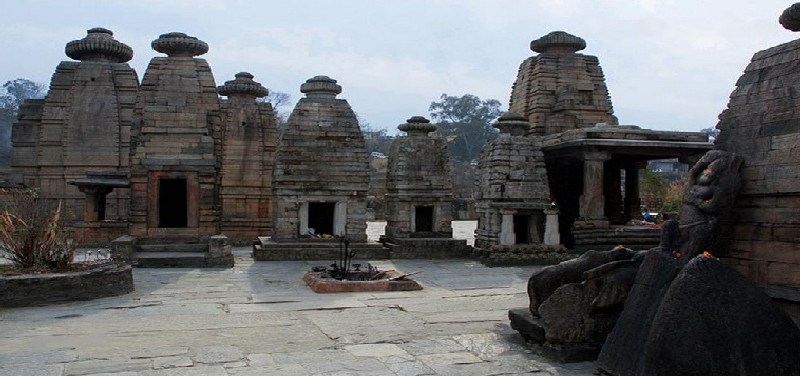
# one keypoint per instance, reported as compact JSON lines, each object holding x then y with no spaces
{"x":321,"y":217}
{"x":423,"y":219}
{"x":172,"y":203}
{"x":522,"y":229}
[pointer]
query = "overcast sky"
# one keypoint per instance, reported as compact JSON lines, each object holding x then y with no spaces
{"x":668,"y":64}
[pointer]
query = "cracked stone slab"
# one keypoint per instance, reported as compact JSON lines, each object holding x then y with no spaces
{"x":33,"y":370}
{"x":217,"y":354}
{"x":172,"y":362}
{"x":376,"y":350}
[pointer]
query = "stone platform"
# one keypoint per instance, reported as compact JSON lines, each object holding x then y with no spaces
{"x":427,"y":248}
{"x":266,"y":249}
{"x":637,"y":238}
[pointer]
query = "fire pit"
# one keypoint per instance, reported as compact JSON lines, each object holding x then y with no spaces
{"x":340,"y":278}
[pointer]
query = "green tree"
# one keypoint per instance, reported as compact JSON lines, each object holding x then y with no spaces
{"x":17,"y":91}
{"x":466,"y":123}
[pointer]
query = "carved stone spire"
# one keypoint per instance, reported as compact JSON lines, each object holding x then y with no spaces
{"x":99,"y":45}
{"x":512,"y":123}
{"x":790,"y":18}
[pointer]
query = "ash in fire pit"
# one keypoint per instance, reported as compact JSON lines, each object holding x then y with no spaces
{"x":346,"y":276}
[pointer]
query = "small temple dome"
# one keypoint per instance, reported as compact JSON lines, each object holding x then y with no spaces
{"x":320,"y":86}
{"x":242,"y":85}
{"x":790,"y":18}
{"x":99,"y":45}
{"x":417,"y":124}
{"x":512,"y":123}
{"x":558,"y":42}
{"x":179,"y":45}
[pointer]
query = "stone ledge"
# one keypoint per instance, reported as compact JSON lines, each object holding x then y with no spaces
{"x":320,"y":283}
{"x":44,"y":289}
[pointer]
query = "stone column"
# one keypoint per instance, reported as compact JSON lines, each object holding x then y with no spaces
{"x":551,"y":234}
{"x":613,"y":192}
{"x":632,"y":200}
{"x":592,"y":201}
{"x":507,"y":236}
{"x":95,"y":206}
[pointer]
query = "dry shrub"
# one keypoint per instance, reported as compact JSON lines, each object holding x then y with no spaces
{"x":30,"y":233}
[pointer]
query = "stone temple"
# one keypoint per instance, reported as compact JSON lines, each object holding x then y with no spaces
{"x":164,"y":161}
{"x":320,"y":180}
{"x":419,"y":195}
{"x":563,"y":95}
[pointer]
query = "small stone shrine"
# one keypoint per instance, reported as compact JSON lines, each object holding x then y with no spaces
{"x":564,"y":97}
{"x":516,"y":217}
{"x":419,"y":198}
{"x":174,"y":168}
{"x":248,"y":135}
{"x":320,"y":180}
{"x":73,"y":145}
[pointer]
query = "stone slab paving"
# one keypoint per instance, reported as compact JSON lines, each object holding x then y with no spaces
{"x":258,"y":318}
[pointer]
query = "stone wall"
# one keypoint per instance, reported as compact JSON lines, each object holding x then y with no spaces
{"x":762,"y":125}
{"x":321,"y":159}
{"x":52,"y":288}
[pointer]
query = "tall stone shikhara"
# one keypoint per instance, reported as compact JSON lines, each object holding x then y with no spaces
{"x":560,"y":89}
{"x":174,"y":170}
{"x":512,"y":192}
{"x":762,"y":124}
{"x":419,"y":192}
{"x":321,"y":175}
{"x":81,"y":132}
{"x":247,"y":149}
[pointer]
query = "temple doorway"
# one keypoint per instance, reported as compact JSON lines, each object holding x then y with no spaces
{"x":423,"y":219}
{"x":172,"y":203}
{"x":321,"y":217}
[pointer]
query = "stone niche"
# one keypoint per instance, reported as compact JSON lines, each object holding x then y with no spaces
{"x":419,"y":195}
{"x":79,"y":131}
{"x":173,"y":166}
{"x":247,"y":149}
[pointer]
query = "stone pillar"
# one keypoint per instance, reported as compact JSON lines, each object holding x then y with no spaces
{"x":219,"y":251}
{"x":95,"y":205}
{"x":551,"y":234}
{"x":592,"y":201}
{"x":613,"y":192}
{"x":122,"y":248}
{"x":340,"y":218}
{"x":507,"y":236}
{"x":632,"y":200}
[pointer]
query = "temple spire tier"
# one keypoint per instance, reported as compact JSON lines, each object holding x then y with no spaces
{"x":243,"y":86}
{"x":321,"y":87}
{"x":512,"y":123}
{"x":179,"y":45}
{"x":417,"y":125}
{"x":790,"y":18}
{"x":558,"y":42}
{"x":99,"y":45}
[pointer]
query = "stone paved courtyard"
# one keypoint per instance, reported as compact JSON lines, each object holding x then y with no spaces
{"x":260,"y":319}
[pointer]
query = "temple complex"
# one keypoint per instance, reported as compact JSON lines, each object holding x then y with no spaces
{"x":73,"y":145}
{"x":512,"y":196}
{"x":320,"y":180}
{"x":563,"y":95}
{"x":419,"y":198}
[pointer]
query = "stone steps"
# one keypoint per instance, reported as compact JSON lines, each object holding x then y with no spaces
{"x":174,"y":248}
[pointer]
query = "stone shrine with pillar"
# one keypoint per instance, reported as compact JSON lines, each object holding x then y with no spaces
{"x":73,"y":145}
{"x":419,"y":195}
{"x":563,"y":95}
{"x":320,"y":181}
{"x":513,"y":198}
